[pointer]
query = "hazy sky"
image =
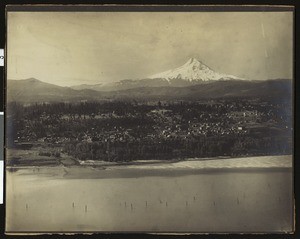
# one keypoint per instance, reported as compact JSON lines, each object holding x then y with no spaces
{"x":92,"y":47}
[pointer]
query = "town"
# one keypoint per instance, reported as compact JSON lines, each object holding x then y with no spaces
{"x":129,"y":130}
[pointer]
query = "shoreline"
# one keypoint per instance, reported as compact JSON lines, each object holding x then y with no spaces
{"x":68,"y":161}
{"x":90,"y":173}
{"x":282,"y":163}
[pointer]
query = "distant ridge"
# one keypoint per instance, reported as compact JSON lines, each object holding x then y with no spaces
{"x":33,"y":90}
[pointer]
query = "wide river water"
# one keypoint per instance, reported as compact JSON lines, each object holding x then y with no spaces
{"x":254,"y":200}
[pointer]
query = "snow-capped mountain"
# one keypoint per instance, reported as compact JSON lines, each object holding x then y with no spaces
{"x":193,"y":70}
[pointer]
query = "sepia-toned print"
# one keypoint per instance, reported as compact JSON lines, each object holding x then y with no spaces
{"x":161,"y":121}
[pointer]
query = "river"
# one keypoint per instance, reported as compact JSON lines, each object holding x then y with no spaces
{"x":242,"y":200}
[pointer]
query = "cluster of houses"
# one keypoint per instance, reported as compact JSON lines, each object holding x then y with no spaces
{"x":167,"y":125}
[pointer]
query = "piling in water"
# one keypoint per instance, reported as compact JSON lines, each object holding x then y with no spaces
{"x":131,"y":206}
{"x":85,"y":208}
{"x":186,"y":203}
{"x":73,"y":204}
{"x":166,"y":204}
{"x":26,"y":206}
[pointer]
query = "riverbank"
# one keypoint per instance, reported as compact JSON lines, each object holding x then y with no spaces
{"x":153,"y":168}
{"x":18,"y":158}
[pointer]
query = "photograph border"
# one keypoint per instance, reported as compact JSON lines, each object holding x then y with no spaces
{"x":162,"y":8}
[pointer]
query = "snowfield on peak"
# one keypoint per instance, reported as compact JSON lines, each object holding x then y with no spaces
{"x":193,"y":70}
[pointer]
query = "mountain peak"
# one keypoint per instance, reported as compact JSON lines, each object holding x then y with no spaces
{"x":192,"y":70}
{"x":193,"y":61}
{"x":32,"y":80}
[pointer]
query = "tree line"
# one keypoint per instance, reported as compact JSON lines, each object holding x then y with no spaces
{"x":178,"y":149}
